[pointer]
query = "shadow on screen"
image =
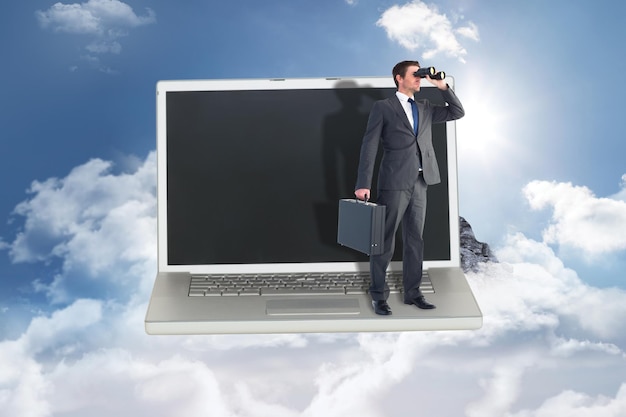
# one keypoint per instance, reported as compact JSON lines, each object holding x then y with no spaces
{"x":341,"y":145}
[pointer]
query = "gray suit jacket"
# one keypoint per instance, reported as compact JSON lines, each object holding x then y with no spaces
{"x":388,"y":123}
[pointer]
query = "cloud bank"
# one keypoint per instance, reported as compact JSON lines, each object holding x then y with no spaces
{"x":100,"y":226}
{"x":90,"y":355}
{"x":418,"y":25}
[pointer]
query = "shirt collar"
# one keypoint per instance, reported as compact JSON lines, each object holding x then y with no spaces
{"x":403,"y":97}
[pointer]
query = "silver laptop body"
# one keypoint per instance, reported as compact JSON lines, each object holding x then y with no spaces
{"x":250,"y":173}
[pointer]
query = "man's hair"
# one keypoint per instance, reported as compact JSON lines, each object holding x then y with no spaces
{"x":400,"y":69}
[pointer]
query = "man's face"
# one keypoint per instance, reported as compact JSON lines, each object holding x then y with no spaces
{"x":410,"y":83}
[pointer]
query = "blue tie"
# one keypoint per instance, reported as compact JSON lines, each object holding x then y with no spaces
{"x":415,"y":116}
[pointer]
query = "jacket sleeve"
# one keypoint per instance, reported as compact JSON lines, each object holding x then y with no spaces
{"x":453,"y":111}
{"x":369,"y":147}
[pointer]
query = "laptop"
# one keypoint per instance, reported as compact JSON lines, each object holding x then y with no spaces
{"x":250,"y":173}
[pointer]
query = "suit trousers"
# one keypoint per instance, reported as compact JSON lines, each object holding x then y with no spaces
{"x":406,"y":207}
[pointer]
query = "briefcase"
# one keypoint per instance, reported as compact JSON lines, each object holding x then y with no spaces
{"x":361,"y":226}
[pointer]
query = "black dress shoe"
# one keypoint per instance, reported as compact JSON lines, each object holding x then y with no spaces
{"x":381,"y":307}
{"x":420,"y":302}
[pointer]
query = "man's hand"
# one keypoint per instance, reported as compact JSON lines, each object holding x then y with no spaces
{"x":362,"y":194}
{"x":440,"y":84}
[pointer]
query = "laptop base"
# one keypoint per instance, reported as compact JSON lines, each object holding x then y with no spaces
{"x":172,"y":311}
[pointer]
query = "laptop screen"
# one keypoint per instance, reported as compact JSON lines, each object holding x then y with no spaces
{"x":254,"y":171}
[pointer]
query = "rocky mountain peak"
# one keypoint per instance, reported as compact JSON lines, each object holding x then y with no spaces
{"x":473,"y":252}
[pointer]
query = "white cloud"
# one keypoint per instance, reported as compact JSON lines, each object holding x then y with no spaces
{"x":60,"y":330}
{"x":576,"y":404}
{"x":23,"y":395}
{"x":170,"y":387}
{"x":541,"y":323}
{"x":580,"y":219}
{"x":95,"y":17}
{"x":470,"y":31}
{"x":108,"y":382}
{"x":24,"y":385}
{"x":542,"y":289}
{"x":569,"y":347}
{"x":502,"y":388}
{"x":69,"y":18}
{"x":227,"y":342}
{"x":417,"y":25}
{"x":101,"y":226}
{"x":104,"y":22}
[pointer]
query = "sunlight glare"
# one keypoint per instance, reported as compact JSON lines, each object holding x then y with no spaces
{"x":482,"y":132}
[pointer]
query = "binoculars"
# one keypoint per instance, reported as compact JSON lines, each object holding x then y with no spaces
{"x":431,"y":72}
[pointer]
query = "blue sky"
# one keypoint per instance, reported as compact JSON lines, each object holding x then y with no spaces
{"x":542,"y":179}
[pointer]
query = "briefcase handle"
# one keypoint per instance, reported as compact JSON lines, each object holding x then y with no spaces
{"x":367,"y":198}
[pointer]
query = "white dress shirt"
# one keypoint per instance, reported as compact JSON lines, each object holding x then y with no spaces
{"x":404,"y":101}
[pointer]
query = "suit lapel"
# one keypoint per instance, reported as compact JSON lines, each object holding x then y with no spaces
{"x":397,"y":107}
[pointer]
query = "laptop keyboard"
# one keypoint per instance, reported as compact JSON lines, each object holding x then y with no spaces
{"x":294,"y":284}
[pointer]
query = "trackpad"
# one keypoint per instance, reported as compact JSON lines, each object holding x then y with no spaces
{"x":312,"y":306}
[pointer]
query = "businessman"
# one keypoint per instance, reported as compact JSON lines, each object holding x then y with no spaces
{"x":403,"y":127}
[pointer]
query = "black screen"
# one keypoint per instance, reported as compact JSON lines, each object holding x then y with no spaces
{"x":255,"y":176}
